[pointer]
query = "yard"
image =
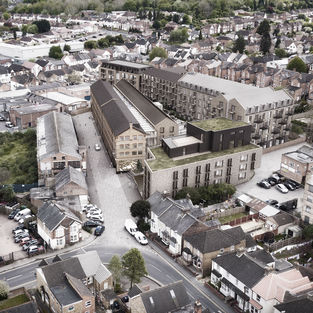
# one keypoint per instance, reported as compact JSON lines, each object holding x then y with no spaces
{"x":226,"y":219}
{"x":18,"y":159}
{"x":8,"y":303}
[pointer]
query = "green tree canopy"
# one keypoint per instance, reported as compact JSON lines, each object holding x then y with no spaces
{"x":4,"y":290}
{"x":140,"y":208}
{"x":308,"y":232}
{"x":32,"y":29}
{"x":103,"y":43}
{"x":281,"y":53}
{"x":176,"y":18}
{"x":178,"y":36}
{"x":157,"y":52}
{"x":7,"y":194}
{"x":6,"y":16}
{"x":43,"y":26}
{"x":265,"y":44}
{"x":67,"y":48}
{"x":115,"y":267}
{"x":56,"y":52}
{"x":239,"y":45}
{"x":90,"y":44}
{"x":186,"y":19}
{"x":297,"y":64}
{"x":134,"y":267}
{"x":264,"y":27}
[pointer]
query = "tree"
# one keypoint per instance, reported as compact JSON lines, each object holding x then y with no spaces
{"x":103,"y":43}
{"x":24,"y":30}
{"x":7,"y":194}
{"x":32,"y":29}
{"x":4,"y":290}
{"x":74,"y":78}
{"x":67,"y":48}
{"x":140,"y":208}
{"x":264,"y":27}
{"x":156,"y":24}
{"x":56,"y":52}
{"x":43,"y":26}
{"x":200,"y":35}
{"x":239,"y":45}
{"x":176,"y":18}
{"x":115,"y":267}
{"x":6,"y":16}
{"x":133,"y":266}
{"x":4,"y":175}
{"x":281,"y":53}
{"x":90,"y":44}
{"x":178,"y":36}
{"x":265,"y":43}
{"x":308,"y":231}
{"x":157,"y":52}
{"x":297,"y":64}
{"x":186,"y":19}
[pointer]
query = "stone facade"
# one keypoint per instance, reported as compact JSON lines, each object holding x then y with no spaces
{"x":71,"y":189}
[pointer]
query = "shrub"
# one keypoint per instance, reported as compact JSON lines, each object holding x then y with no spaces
{"x":143,"y":226}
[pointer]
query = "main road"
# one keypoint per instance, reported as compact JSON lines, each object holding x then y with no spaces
{"x":114,"y":194}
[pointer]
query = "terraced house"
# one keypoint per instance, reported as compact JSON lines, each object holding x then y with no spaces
{"x":269,"y":111}
{"x":213,"y":151}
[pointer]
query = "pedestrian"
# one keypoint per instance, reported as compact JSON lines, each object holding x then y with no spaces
{"x":88,"y":147}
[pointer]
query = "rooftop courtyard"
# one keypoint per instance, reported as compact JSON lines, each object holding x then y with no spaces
{"x":216,"y":124}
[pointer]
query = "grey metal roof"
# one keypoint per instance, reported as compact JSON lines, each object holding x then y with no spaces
{"x":113,"y":108}
{"x":69,"y":175}
{"x":305,"y":149}
{"x":56,"y":134}
{"x":65,"y":293}
{"x":246,"y":95}
{"x":163,"y":74}
{"x":143,"y":104}
{"x":215,"y":239}
{"x":242,"y":268}
{"x":165,"y":299}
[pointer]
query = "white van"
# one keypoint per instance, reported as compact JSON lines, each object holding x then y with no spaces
{"x":131,"y":226}
{"x":22,"y":213}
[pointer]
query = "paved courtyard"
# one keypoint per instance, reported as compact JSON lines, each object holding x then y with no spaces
{"x":270,"y":163}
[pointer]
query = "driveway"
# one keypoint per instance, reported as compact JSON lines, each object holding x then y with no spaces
{"x":270,"y":163}
{"x":113,"y":193}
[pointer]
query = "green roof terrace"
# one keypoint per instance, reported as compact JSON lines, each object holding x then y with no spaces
{"x":163,"y":161}
{"x":216,"y":124}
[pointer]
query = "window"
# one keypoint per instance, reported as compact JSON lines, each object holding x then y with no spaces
{"x":121,"y":153}
{"x":58,"y":165}
{"x":127,"y":146}
{"x":140,"y":145}
{"x":185,"y":172}
{"x":311,"y":188}
{"x":59,"y":242}
{"x":63,"y":157}
{"x":309,"y":199}
{"x":134,"y":145}
{"x":172,"y":129}
{"x":246,"y":290}
{"x":140,"y":152}
{"x":74,"y":238}
{"x":243,"y":167}
{"x":134,"y":152}
{"x":121,"y":146}
{"x":175,"y":175}
{"x":222,"y":250}
{"x":219,"y":164}
{"x":127,"y":138}
{"x":127,"y":153}
{"x":185,"y":181}
{"x":258,"y":298}
{"x":122,"y":138}
{"x":218,"y":173}
{"x":242,"y":175}
{"x":307,"y":209}
{"x":135,"y":137}
{"x":244,"y":158}
{"x":232,"y":248}
{"x":87,"y":303}
{"x":140,"y":137}
{"x":75,"y":164}
{"x":198,"y":169}
{"x":161,"y":130}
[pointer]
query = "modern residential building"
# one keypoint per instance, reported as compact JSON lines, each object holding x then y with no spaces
{"x":57,"y":226}
{"x":114,"y":71}
{"x":307,"y":201}
{"x":295,"y":165}
{"x":121,"y":132}
{"x":57,"y":145}
{"x":269,"y":111}
{"x":161,"y":85}
{"x":213,"y":151}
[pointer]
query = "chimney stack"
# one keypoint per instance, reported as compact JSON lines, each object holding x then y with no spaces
{"x":197,"y":307}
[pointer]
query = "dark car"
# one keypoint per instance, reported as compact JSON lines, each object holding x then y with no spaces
{"x":272,"y":202}
{"x":272,"y":181}
{"x":18,"y":227}
{"x":264,"y":184}
{"x":99,"y":230}
{"x":30,"y":243}
{"x":13,"y":213}
{"x":92,"y":224}
{"x":125,"y":299}
{"x":289,"y":186}
{"x":294,"y":184}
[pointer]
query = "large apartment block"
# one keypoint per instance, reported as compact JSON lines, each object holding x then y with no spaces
{"x":114,"y":71}
{"x":213,"y":151}
{"x":269,"y":111}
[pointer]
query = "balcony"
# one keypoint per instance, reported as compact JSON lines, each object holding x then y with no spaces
{"x":290,"y":113}
{"x":258,"y":121}
{"x":256,"y":136}
{"x":277,"y":116}
{"x":275,"y":131}
{"x":264,"y":126}
{"x":283,"y":122}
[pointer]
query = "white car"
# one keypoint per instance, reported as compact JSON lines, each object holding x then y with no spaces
{"x":97,"y":147}
{"x":87,"y":207}
{"x":98,"y":218}
{"x":22,"y":219}
{"x":141,"y":238}
{"x":94,"y":213}
{"x":94,"y":210}
{"x":282,"y":188}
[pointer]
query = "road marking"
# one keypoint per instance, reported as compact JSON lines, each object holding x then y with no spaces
{"x":14,"y":277}
{"x":155,"y":268}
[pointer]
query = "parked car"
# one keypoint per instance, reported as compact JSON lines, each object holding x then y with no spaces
{"x":92,"y":224}
{"x":13,"y":213}
{"x":125,"y":299}
{"x":18,"y":228}
{"x":94,"y":211}
{"x":9,"y":125}
{"x":131,"y":226}
{"x":25,"y":240}
{"x":294,"y":184}
{"x":272,"y":181}
{"x":20,"y":231}
{"x":24,"y":218}
{"x":30,"y":243}
{"x":99,"y":230}
{"x":21,"y":214}
{"x":2,"y":118}
{"x":20,"y":237}
{"x":282,"y":188}
{"x":277,"y":178}
{"x":141,"y":238}
{"x":264,"y":184}
{"x":289,"y":186}
{"x":97,"y":147}
{"x":87,"y":207}
{"x":98,"y":218}
{"x":271,"y":202}
{"x":34,"y":249}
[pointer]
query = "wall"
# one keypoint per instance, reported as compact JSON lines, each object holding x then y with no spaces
{"x":71,"y":189}
{"x":285,"y":144}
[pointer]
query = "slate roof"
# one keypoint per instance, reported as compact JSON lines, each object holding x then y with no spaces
{"x":163,"y":74}
{"x":134,"y":291}
{"x":16,"y":68}
{"x":242,"y":268}
{"x":261,"y":256}
{"x":113,"y":108}
{"x":165,"y":299}
{"x":302,"y":305}
{"x":29,"y":307}
{"x":80,"y":288}
{"x":215,"y":239}
{"x":3,"y":70}
{"x":69,"y":175}
{"x":143,"y":104}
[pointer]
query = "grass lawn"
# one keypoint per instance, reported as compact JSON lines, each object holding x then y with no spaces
{"x":219,"y":123}
{"x":232,"y":217}
{"x":163,"y":161}
{"x":8,"y":303}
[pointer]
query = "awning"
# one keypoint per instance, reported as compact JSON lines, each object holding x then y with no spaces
{"x":255,"y":304}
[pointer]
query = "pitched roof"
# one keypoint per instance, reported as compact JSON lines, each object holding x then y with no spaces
{"x":143,"y":104}
{"x":29,"y":307}
{"x":241,"y":267}
{"x":70,"y":175}
{"x":163,"y":74}
{"x":215,"y":239}
{"x":113,"y":108}
{"x":299,"y":305}
{"x":134,"y":291}
{"x":165,"y":299}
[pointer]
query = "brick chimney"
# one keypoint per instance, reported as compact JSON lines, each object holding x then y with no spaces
{"x":197,"y":307}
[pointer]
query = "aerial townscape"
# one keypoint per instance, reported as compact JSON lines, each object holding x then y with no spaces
{"x":156,"y":156}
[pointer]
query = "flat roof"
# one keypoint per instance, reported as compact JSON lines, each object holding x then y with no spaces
{"x":181,"y":141}
{"x":163,"y":161}
{"x":128,"y":64}
{"x":35,"y":108}
{"x":216,"y":124}
{"x":63,"y":98}
{"x":299,"y":156}
{"x":247,"y":95}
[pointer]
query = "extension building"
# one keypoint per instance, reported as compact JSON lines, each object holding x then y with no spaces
{"x":269,"y":112}
{"x":213,"y":151}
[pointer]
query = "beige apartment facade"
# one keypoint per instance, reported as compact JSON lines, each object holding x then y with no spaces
{"x":307,"y":207}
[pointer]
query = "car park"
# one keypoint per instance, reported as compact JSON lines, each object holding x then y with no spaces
{"x":87,"y":207}
{"x":92,"y":224}
{"x":131,"y":226}
{"x":294,"y":184}
{"x":282,"y":188}
{"x":19,"y":230}
{"x":24,"y":218}
{"x":97,"y":147}
{"x":264,"y":184}
{"x":141,"y":238}
{"x":99,"y":230}
{"x":21,"y":214}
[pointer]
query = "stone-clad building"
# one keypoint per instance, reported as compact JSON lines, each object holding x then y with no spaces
{"x":202,"y":96}
{"x":213,"y":151}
